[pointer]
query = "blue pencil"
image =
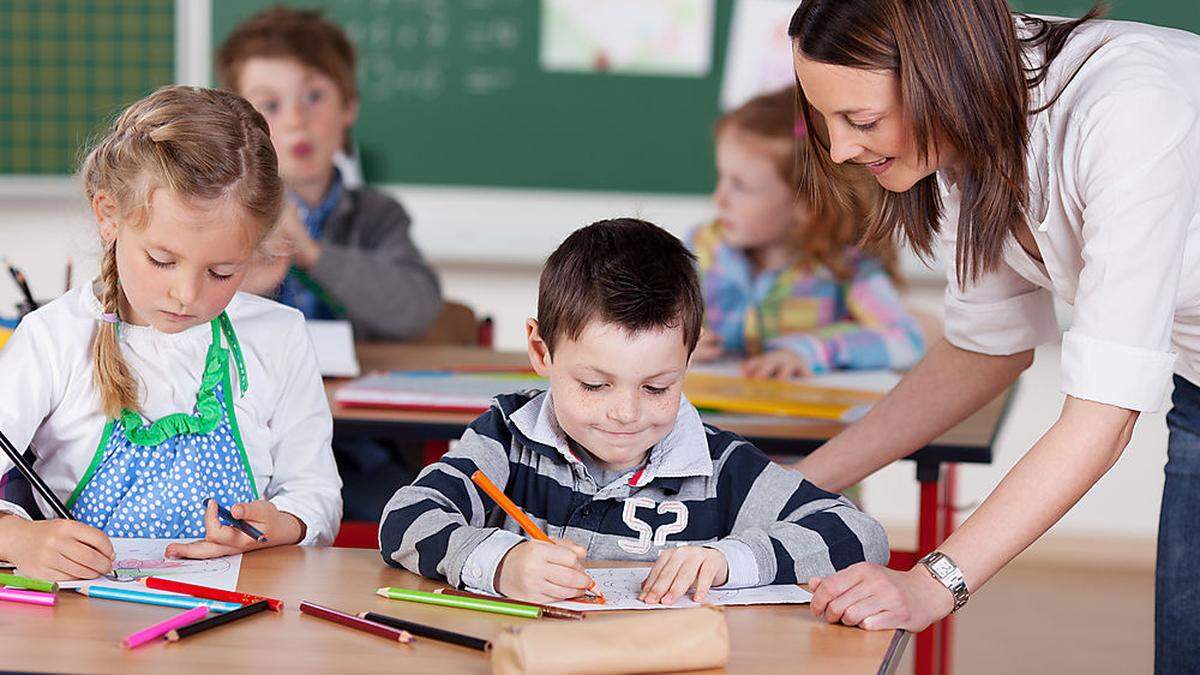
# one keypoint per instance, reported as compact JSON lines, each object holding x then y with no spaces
{"x":246,"y":528}
{"x":163,"y":599}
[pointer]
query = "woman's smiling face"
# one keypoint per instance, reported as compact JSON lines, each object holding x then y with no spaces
{"x":866,"y":121}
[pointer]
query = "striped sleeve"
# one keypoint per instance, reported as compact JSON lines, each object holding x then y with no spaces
{"x":794,"y":529}
{"x":433,"y":526}
{"x":879,"y":333}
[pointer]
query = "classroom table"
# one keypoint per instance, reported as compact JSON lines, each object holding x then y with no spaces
{"x":83,"y":635}
{"x":968,"y":442}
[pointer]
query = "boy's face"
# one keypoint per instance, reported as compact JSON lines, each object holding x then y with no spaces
{"x":307,"y":114}
{"x":616,"y":393}
{"x":183,"y":267}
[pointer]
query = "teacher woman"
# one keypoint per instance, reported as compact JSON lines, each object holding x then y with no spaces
{"x":1054,"y":159}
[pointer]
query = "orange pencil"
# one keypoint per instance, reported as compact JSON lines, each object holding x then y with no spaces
{"x":515,"y":512}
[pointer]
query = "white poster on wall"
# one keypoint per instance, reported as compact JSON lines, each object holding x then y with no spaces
{"x":759,"y":58}
{"x":628,"y":37}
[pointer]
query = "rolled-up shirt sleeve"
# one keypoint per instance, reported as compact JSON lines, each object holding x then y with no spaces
{"x":1139,"y":203}
{"x":1000,"y":313}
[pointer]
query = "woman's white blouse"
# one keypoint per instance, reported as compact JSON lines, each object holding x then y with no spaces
{"x":1114,"y":205}
{"x":47,"y":398}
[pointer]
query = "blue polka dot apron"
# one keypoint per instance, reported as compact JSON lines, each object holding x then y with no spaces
{"x":151,"y":480}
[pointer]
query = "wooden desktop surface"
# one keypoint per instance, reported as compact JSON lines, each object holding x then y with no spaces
{"x":968,"y":441}
{"x":83,"y":635}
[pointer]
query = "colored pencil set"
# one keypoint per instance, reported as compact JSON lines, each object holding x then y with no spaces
{"x":199,"y":601}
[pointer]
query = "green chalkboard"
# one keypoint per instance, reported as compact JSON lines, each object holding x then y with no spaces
{"x":454,"y":94}
{"x":67,"y":66}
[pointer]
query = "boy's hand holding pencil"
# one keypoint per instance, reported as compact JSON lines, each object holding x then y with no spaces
{"x":254,"y":525}
{"x":543,"y":571}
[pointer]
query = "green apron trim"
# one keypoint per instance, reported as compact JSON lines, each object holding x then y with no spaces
{"x":208,"y":409}
{"x":319,"y":291}
{"x":91,"y":470}
{"x":216,"y":369}
{"x":237,"y":435}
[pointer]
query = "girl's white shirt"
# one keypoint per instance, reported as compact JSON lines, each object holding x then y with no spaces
{"x":47,"y":397}
{"x":1114,"y":205}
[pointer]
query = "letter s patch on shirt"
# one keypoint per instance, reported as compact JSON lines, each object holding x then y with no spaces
{"x":647,"y":535}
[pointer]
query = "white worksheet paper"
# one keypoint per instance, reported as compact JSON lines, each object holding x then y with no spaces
{"x":621,"y":586}
{"x":139,"y":558}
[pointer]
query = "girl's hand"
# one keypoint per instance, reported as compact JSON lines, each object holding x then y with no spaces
{"x":538,"y":571}
{"x":279,"y":527}
{"x":877,"y":598}
{"x":780,"y":364}
{"x":679,"y":569}
{"x":710,"y":347}
{"x":55,"y":550}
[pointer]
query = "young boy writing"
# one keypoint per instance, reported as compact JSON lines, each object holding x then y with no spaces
{"x":350,"y":252}
{"x":612,"y":460}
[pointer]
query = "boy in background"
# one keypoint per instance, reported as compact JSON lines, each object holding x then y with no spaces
{"x":346,"y":252}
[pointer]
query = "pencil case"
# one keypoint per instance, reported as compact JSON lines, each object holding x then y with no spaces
{"x":684,"y":639}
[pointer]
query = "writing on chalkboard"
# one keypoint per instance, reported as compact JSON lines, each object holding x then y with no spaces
{"x":416,"y":50}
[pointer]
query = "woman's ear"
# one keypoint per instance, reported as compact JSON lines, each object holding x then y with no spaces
{"x":539,"y":351}
{"x":105,"y":208}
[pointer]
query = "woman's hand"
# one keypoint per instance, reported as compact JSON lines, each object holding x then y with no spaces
{"x":877,"y":598}
{"x":279,"y":527}
{"x":779,"y":364}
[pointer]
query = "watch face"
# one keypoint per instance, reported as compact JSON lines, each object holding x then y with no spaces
{"x":942,"y":567}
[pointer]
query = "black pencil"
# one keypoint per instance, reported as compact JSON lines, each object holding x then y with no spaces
{"x":23,"y":284}
{"x":34,"y":480}
{"x":218,"y":620}
{"x":421,"y":630}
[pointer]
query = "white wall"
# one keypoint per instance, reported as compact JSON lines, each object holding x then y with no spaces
{"x":487,"y":245}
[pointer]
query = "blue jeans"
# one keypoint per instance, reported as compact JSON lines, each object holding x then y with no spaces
{"x":1177,"y":582}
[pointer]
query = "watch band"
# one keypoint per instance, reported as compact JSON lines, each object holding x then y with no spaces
{"x":947,"y":573}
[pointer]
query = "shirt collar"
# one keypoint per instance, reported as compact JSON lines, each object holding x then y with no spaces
{"x":682,"y":453}
{"x":314,"y":217}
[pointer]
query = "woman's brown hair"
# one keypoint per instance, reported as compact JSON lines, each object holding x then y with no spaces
{"x":964,"y":82}
{"x":198,"y":143}
{"x":828,"y":231}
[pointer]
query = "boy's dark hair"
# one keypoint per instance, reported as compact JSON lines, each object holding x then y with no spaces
{"x":623,"y":271}
{"x":300,"y":34}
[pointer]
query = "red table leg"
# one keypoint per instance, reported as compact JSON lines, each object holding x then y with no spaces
{"x":949,"y":481}
{"x":928,"y":529}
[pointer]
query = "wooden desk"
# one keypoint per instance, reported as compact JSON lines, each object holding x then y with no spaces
{"x":83,"y":635}
{"x":971,"y":441}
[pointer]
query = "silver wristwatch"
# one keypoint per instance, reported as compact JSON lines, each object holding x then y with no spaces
{"x":942,"y":568}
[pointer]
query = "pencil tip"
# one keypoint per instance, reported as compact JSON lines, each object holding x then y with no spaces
{"x":381,"y":592}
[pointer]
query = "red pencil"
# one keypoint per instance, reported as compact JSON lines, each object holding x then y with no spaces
{"x":163,"y":584}
{"x":352,"y":621}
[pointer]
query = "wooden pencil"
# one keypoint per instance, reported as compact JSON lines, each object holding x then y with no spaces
{"x":548,"y":611}
{"x":218,"y":620}
{"x":355,"y":622}
{"x":421,"y":630}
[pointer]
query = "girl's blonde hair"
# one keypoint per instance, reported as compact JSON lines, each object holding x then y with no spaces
{"x":828,"y":231}
{"x":198,"y":143}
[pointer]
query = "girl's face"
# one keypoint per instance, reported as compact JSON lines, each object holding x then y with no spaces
{"x":866,"y":121}
{"x":182,"y":269}
{"x":756,"y":206}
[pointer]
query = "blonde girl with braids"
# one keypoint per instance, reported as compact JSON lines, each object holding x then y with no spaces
{"x":785,"y":286}
{"x":157,"y":391}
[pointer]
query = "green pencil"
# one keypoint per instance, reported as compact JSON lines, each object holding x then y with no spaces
{"x":493,"y":606}
{"x":28,"y":583}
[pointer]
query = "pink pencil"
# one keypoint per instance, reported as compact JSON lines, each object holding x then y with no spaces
{"x":30,"y":597}
{"x":160,"y":629}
